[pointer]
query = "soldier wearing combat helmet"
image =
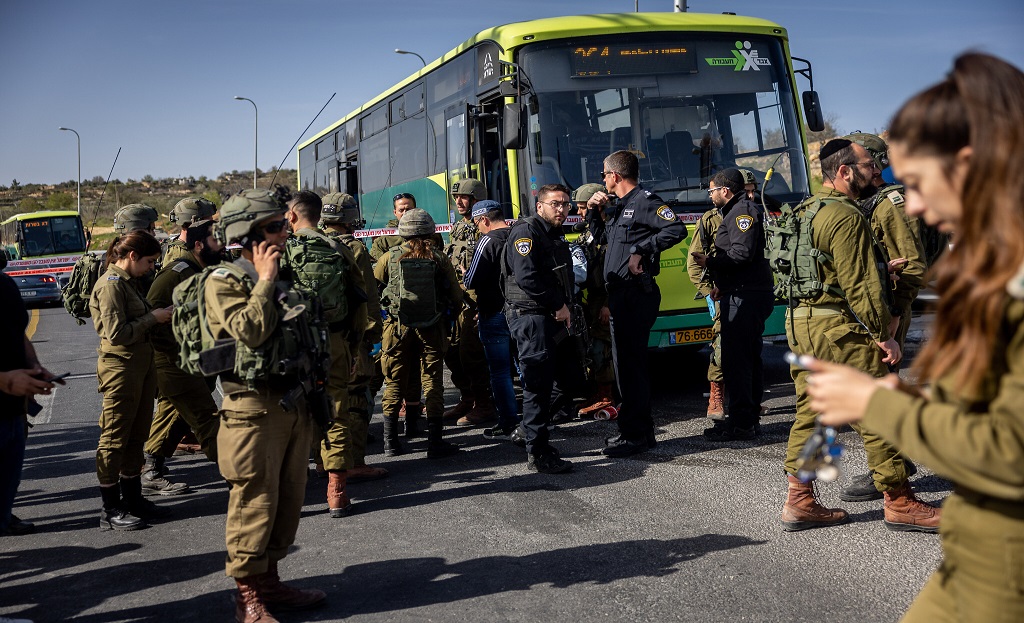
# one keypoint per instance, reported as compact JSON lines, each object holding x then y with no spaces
{"x":184,"y":213}
{"x":465,"y":357}
{"x":264,"y":503}
{"x":135,"y":216}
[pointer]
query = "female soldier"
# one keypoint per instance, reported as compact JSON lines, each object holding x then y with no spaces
{"x":959,"y":149}
{"x":127,"y":378}
{"x":420,"y":286}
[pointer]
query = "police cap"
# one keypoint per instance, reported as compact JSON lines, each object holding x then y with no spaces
{"x":481,"y":208}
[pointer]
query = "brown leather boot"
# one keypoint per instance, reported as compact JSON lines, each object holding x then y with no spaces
{"x":464,"y":406}
{"x":716,"y":406}
{"x":802,"y":509}
{"x":337,"y":499}
{"x":249,"y":605}
{"x":905,"y":513}
{"x":602,"y":399}
{"x":279,"y":596}
{"x":481,"y":413}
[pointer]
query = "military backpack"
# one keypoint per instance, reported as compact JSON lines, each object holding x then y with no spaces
{"x":789,"y":247}
{"x":412,"y":295}
{"x":321,"y":271}
{"x":79,"y":287}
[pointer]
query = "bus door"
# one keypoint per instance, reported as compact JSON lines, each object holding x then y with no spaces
{"x":457,"y":142}
{"x":493,"y":168}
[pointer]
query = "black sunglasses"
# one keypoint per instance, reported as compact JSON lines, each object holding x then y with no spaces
{"x":402,"y":196}
{"x":275,"y":227}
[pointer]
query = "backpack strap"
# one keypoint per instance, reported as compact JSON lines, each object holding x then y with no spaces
{"x":820,"y":256}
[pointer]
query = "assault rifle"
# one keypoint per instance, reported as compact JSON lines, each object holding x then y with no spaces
{"x":314,"y":374}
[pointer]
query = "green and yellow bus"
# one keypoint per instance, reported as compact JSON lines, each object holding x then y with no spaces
{"x":545,"y":101}
{"x":45,"y":242}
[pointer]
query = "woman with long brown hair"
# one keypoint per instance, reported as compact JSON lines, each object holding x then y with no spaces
{"x":959,"y":149}
{"x":420,"y":287}
{"x":127,"y":378}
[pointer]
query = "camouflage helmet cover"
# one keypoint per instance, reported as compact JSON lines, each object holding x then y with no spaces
{"x":416,"y":222}
{"x":133,"y":217}
{"x":748,"y":176}
{"x":469,"y":186}
{"x":341,"y":208}
{"x":190,"y":210}
{"x":875,"y":145}
{"x":585,"y":192}
{"x":241,"y":212}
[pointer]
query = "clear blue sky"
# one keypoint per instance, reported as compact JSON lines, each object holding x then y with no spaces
{"x":157,"y":78}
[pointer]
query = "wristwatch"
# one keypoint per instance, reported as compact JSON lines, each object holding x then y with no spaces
{"x":633,"y":250}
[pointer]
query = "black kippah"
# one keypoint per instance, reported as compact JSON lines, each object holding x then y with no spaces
{"x":734,"y":176}
{"x":832,"y":147}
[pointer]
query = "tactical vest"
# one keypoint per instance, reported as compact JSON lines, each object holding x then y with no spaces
{"x":893,"y":192}
{"x":413,"y":294}
{"x":514,"y":295}
{"x":288,"y":351}
{"x":464,"y":236}
{"x":789,"y":247}
{"x":78,"y":289}
{"x":321,"y":271}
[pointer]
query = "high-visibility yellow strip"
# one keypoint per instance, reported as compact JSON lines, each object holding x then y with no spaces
{"x":33,"y":324}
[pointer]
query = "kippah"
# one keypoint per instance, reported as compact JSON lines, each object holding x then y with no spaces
{"x":833,"y":146}
{"x":734,"y":176}
{"x":481,"y":208}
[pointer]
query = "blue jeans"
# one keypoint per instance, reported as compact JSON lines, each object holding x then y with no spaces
{"x":12,"y":455}
{"x":495,"y":336}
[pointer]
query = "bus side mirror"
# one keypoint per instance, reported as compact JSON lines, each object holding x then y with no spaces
{"x":513,"y":134}
{"x":812,"y":111}
{"x":3,"y":259}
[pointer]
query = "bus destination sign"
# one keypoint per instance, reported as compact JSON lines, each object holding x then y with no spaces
{"x":596,"y":61}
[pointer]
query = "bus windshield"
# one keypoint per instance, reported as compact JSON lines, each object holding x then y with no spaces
{"x":689,"y":105}
{"x":51,"y":235}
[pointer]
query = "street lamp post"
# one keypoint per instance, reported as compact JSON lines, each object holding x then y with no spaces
{"x":398,"y":51}
{"x":256,"y":138}
{"x":78,"y":139}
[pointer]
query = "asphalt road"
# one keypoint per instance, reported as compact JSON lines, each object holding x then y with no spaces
{"x":686,"y":532}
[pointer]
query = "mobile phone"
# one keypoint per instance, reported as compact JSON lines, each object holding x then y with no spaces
{"x":797,"y":361}
{"x":58,"y":378}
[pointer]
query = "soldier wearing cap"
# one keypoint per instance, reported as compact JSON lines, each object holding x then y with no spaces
{"x":465,"y":357}
{"x":340,"y":219}
{"x":184,"y":213}
{"x":593,"y":241}
{"x":263,"y":446}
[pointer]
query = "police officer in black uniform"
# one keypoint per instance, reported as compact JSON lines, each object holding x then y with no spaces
{"x":537,"y":281}
{"x":744,"y":288}
{"x":637,"y":232}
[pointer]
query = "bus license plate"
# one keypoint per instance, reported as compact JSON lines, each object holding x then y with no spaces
{"x":693,"y":336}
{"x":30,"y":292}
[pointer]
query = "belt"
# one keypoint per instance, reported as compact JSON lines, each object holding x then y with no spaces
{"x":810,"y":311}
{"x":1009,"y":508}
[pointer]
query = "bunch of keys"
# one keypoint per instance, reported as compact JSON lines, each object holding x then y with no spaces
{"x":819,"y":458}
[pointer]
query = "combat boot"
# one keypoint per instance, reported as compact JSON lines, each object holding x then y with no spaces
{"x":154,"y":481}
{"x":602,"y":399}
{"x":337,"y":500}
{"x":716,"y":401}
{"x":392,"y":447}
{"x":249,"y":606}
{"x":133,"y":502}
{"x":905,"y":513}
{"x":413,"y":420}
{"x":112,"y":516}
{"x":279,"y":596}
{"x":464,"y":406}
{"x":438,"y":448}
{"x":481,"y":413}
{"x":803,"y":510}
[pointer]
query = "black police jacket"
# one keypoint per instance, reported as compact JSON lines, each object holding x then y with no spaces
{"x":739,"y":262}
{"x":537,"y":266}
{"x":644,"y":225}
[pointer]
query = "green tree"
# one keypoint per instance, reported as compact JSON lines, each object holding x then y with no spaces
{"x":214,"y":196}
{"x":59,"y":201}
{"x":29,"y":204}
{"x":15,"y":185}
{"x":830,"y":131}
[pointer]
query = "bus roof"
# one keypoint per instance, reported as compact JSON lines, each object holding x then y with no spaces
{"x":510,"y":36}
{"x":24,"y":216}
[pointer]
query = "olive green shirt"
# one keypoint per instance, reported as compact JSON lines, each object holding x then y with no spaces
{"x":703,"y":241}
{"x":975,"y":441}
{"x":840,"y":229}
{"x":176,"y":250}
{"x":898,"y":235}
{"x":161,"y":295}
{"x":120,"y":313}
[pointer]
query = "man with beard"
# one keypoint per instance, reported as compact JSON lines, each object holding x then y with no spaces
{"x":188,"y":396}
{"x":847,"y":322}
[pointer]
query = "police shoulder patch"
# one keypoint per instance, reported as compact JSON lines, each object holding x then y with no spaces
{"x":744,"y":221}
{"x":524,"y":246}
{"x":180,"y":266}
{"x":896,"y":197}
{"x":666,"y":213}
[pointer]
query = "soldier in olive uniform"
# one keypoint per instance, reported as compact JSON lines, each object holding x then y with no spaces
{"x":949,"y":144}
{"x":465,"y":357}
{"x":184,"y":401}
{"x":127,"y":378}
{"x":263,"y":446}
{"x":135,"y":217}
{"x":186,"y":212}
{"x":340,"y":219}
{"x":593,"y":240}
{"x":703,"y":242}
{"x":848,"y":322}
{"x":414,"y":339}
{"x":345,"y":324}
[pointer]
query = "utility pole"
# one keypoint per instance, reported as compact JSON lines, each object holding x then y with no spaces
{"x":680,"y":6}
